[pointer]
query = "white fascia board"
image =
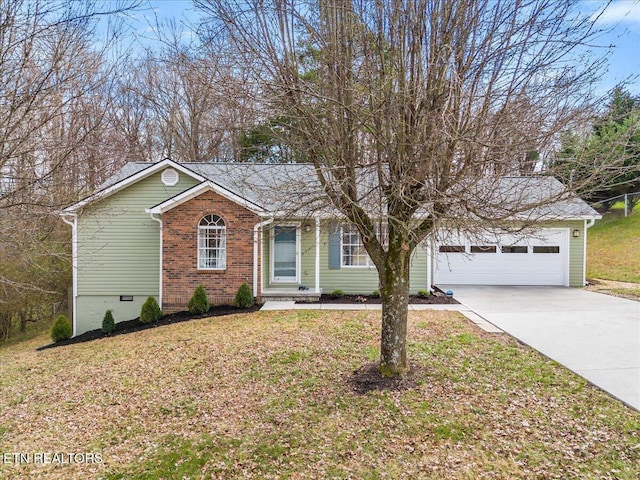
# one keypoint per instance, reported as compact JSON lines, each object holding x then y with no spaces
{"x":547,"y":218}
{"x":199,"y":190}
{"x":122,"y":184}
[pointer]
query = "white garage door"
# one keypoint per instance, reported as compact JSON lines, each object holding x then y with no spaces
{"x":538,"y":259}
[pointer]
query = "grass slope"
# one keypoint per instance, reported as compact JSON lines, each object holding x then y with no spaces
{"x":613,"y":247}
{"x":267,"y":395}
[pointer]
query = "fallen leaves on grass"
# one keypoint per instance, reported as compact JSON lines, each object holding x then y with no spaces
{"x":630,"y":291}
{"x":268,"y":395}
{"x":368,"y":378}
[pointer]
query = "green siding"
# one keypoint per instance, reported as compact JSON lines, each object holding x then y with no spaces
{"x":119,"y":248}
{"x":308,"y":256}
{"x":351,"y":280}
{"x":576,"y":250}
{"x":577,"y":255}
{"x":92,"y":308}
{"x":418,"y":280}
{"x":363,"y":280}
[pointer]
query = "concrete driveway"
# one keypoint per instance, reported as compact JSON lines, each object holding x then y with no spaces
{"x":595,"y":335}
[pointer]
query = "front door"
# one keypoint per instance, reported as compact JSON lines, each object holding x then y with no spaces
{"x":285,"y":248}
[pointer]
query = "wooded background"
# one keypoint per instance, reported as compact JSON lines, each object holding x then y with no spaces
{"x":79,"y":97}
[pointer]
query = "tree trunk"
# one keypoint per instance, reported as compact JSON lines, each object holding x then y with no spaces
{"x":394,"y":293}
{"x":24,"y":317}
{"x":632,"y":201}
{"x":6,"y":325}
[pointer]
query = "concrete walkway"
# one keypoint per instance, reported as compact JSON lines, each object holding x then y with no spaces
{"x":464,"y":310}
{"x":595,"y":335}
{"x":286,"y":305}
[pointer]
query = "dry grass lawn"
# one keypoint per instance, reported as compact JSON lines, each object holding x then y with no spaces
{"x":267,"y":395}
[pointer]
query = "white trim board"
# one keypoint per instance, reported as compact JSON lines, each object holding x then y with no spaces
{"x":198,"y":190}
{"x":122,"y":184}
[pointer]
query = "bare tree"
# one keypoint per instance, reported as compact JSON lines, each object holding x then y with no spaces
{"x":54,"y":92}
{"x":49,"y":69}
{"x":184,"y":100}
{"x":413,"y":112}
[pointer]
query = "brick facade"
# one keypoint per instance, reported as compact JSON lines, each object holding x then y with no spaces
{"x":180,"y":274}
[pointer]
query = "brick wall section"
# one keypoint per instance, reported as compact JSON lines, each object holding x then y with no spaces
{"x":180,"y":274}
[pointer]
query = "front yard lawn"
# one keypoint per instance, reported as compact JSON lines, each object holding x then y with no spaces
{"x":613,"y":247}
{"x":271,"y":395}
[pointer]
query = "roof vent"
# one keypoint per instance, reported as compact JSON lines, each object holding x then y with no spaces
{"x":170,"y":177}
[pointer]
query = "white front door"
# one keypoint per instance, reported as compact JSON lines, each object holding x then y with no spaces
{"x":285,"y":248}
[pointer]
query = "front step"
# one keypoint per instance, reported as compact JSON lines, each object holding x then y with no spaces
{"x":290,"y":296}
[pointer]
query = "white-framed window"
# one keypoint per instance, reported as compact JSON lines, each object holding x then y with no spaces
{"x":212,"y":243}
{"x":353,"y":253}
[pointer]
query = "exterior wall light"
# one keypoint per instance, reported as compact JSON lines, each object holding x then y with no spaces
{"x":576,"y":233}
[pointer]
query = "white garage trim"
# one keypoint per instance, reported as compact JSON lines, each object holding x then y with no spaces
{"x":467,"y":261}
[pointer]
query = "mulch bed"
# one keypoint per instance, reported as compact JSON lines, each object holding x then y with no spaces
{"x":413,"y":300}
{"x":368,"y":378}
{"x":135,"y":325}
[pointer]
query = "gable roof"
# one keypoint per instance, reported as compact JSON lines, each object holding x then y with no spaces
{"x":294,"y":188}
{"x":199,"y":189}
{"x":131,"y":173}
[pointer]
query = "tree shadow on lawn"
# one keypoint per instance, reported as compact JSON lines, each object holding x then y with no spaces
{"x":136,"y":325}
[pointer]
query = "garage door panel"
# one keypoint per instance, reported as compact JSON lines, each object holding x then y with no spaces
{"x":545,"y":265}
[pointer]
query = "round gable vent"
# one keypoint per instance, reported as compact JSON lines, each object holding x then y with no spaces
{"x":170,"y":177}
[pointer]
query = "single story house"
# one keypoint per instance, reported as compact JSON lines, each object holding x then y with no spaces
{"x":161,"y":229}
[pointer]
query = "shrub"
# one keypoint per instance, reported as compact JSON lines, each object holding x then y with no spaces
{"x":376,"y":293}
{"x":108,"y":323}
{"x":424,"y":293}
{"x":244,"y":297}
{"x":150,"y":311}
{"x":61,"y":329}
{"x":337,"y":294}
{"x":199,"y":302}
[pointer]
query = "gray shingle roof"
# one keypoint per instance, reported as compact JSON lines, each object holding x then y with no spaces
{"x":279,"y":187}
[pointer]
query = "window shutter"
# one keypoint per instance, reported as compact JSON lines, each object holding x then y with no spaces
{"x":334,"y":245}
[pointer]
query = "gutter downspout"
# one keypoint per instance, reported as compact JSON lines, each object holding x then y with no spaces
{"x":74,"y":265}
{"x":258,"y":227}
{"x":587,"y":224}
{"x":317,"y":259}
{"x":159,"y":220}
{"x":429,"y":251}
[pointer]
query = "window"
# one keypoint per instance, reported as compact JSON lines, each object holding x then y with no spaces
{"x":546,"y":249}
{"x":212,"y":243}
{"x":515,"y":249}
{"x":451,"y":249}
{"x":353,"y":252}
{"x":483,"y":249}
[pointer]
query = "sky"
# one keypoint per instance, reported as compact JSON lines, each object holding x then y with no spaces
{"x":621,"y":20}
